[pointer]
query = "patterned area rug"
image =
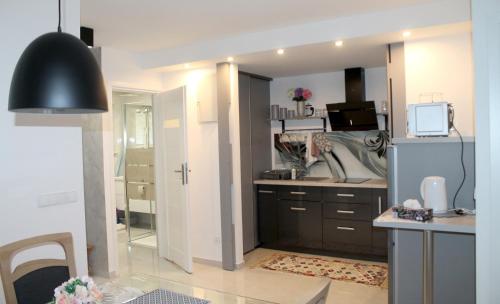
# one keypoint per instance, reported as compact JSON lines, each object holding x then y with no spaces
{"x":363,"y":273}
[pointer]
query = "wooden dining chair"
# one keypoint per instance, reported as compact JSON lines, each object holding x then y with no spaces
{"x":34,"y":281}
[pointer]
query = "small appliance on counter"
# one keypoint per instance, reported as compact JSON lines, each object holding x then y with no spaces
{"x":277,"y":174}
{"x":430,"y":119}
{"x":433,"y":192}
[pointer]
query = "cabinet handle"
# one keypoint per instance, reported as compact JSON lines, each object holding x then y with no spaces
{"x":345,"y":228}
{"x":345,"y":195}
{"x":345,"y":211}
{"x":297,"y":193}
{"x":298,"y":209}
{"x":266,"y":191}
{"x":379,"y":205}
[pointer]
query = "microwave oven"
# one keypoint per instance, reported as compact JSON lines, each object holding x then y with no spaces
{"x":429,"y":119}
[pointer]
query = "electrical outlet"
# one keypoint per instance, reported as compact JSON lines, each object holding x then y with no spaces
{"x":57,"y":198}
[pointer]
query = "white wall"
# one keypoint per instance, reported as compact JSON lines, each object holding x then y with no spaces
{"x":38,"y":154}
{"x":326,"y":88}
{"x":203,"y":161}
{"x":443,"y":64}
{"x":120,"y":70}
{"x":486,"y":30}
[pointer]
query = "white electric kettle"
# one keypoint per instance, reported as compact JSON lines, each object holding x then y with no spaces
{"x":433,"y":192}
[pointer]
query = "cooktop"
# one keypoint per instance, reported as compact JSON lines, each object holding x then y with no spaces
{"x":352,"y":180}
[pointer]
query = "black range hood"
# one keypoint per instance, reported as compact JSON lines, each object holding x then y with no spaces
{"x":356,"y":114}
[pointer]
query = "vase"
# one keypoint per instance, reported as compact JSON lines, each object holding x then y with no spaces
{"x":301,"y":105}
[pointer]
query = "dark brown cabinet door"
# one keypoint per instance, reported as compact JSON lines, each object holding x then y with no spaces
{"x":268,"y":215}
{"x":379,"y":235}
{"x":288,"y":223}
{"x":300,"y":224}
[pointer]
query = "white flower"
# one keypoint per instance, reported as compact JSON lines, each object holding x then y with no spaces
{"x":81,"y":292}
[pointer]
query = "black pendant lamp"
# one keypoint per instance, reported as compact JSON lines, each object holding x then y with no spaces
{"x":57,"y":73}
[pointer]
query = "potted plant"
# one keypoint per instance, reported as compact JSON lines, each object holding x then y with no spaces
{"x":300,"y":95}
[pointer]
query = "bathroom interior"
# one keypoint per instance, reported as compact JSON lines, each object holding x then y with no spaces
{"x":134,"y":166}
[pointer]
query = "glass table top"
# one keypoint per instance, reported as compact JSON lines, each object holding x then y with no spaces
{"x":125,"y":289}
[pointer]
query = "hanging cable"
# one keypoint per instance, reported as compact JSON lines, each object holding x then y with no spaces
{"x":464,"y":173}
{"x":59,"y":23}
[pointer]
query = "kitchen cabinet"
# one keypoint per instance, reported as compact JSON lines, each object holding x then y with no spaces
{"x":298,"y":224}
{"x":379,"y":235}
{"x":335,"y":219}
{"x":432,"y":262}
{"x":267,"y":215}
{"x":255,"y":147}
{"x":396,"y":89}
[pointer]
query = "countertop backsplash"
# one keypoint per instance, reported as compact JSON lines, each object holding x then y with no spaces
{"x":355,"y":154}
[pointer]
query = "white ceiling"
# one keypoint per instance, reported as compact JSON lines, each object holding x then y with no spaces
{"x":315,"y":58}
{"x":153,"y":24}
{"x":367,"y":52}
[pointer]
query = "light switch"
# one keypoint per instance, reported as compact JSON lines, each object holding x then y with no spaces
{"x":57,"y":198}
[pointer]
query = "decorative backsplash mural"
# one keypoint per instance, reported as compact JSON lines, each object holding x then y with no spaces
{"x":357,"y":154}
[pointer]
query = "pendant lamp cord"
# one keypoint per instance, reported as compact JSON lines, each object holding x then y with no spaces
{"x":59,"y":24}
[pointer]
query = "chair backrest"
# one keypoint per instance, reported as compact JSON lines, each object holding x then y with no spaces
{"x":322,"y":294}
{"x":35,"y":281}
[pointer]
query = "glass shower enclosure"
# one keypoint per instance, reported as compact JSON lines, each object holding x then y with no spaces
{"x":134,"y":166}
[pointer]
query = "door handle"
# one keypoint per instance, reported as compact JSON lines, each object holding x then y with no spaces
{"x":345,"y":195}
{"x":266,"y":191}
{"x":345,"y":228}
{"x":182,"y":171}
{"x":298,"y":209}
{"x":297,"y":193}
{"x":345,"y":211}
{"x":379,"y":205}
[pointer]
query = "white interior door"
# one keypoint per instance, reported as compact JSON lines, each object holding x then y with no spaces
{"x":174,"y":242}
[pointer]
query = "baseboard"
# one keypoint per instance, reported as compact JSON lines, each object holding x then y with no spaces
{"x":240,"y":265}
{"x":215,"y":263}
{"x":207,"y":262}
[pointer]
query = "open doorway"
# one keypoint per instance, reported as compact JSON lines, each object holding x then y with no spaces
{"x":151,"y":175}
{"x":134,"y":178}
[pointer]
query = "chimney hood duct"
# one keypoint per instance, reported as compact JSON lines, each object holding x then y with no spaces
{"x":356,"y":114}
{"x":355,"y":85}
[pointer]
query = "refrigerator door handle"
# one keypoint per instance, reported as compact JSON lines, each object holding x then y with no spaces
{"x":392,"y":175}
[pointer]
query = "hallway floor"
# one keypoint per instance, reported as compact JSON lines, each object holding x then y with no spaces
{"x":141,"y":268}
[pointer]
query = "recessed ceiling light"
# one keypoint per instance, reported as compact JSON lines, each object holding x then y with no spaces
{"x":230,"y":59}
{"x":406,"y":34}
{"x":339,"y":43}
{"x":280,"y":51}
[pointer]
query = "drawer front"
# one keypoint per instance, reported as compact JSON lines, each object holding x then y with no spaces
{"x":344,"y":211}
{"x":347,"y":232}
{"x":297,"y":193}
{"x":300,"y":224}
{"x":348,"y":195}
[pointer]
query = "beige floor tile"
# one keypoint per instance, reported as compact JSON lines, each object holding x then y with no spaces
{"x":249,"y":281}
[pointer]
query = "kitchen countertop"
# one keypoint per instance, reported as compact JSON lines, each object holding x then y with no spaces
{"x":461,"y":224}
{"x":372,"y":183}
